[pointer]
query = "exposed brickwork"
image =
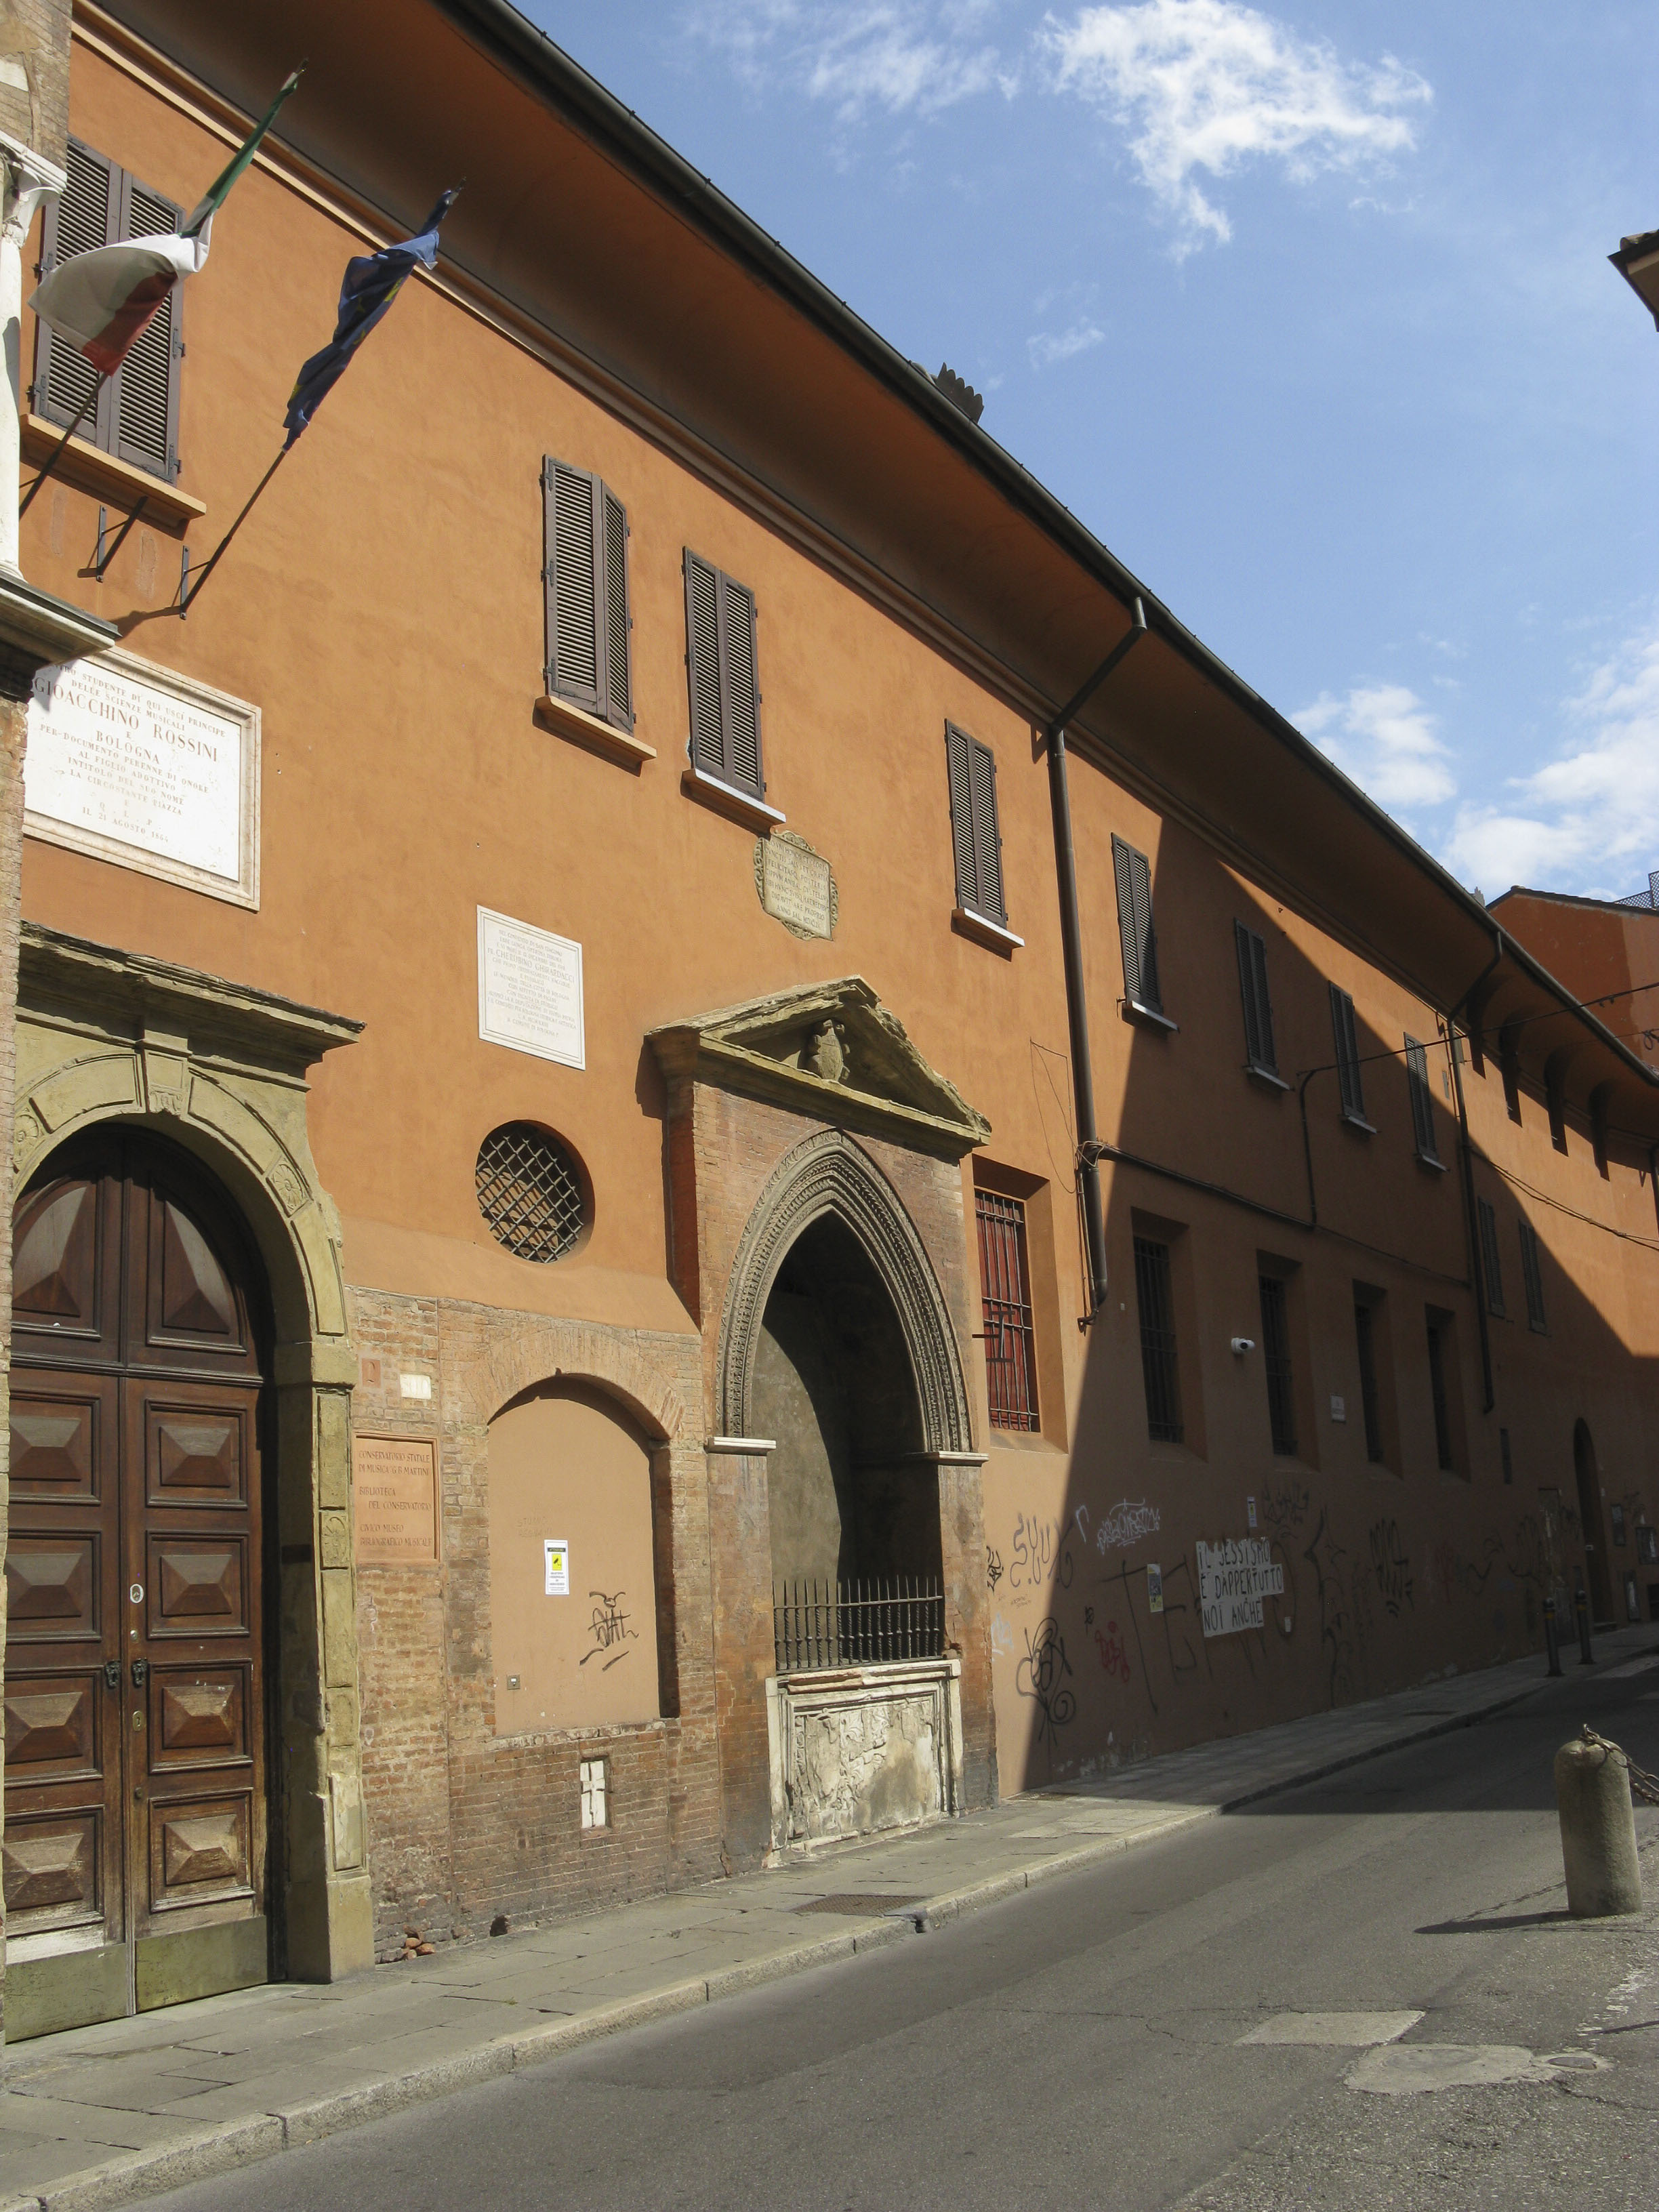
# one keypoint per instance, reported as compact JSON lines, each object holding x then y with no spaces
{"x":722,"y":1151}
{"x":464,"y":1824}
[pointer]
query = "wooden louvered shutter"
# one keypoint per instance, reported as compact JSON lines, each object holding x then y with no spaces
{"x":740,"y":688}
{"x":1134,"y":874}
{"x":85,"y":215}
{"x":145,"y":402}
{"x":1417,"y":1078}
{"x":1347,"y":1055}
{"x":723,"y":678}
{"x":571,"y":578}
{"x":1258,"y":1007}
{"x":976,"y":834}
{"x":619,"y":688}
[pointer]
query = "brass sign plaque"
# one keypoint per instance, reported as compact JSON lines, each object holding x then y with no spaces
{"x":394,"y":1482}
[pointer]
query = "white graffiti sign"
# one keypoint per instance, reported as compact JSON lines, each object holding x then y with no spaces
{"x":1128,"y":1521}
{"x":1233,"y":1578}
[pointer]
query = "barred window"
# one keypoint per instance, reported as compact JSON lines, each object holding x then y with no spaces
{"x":1005,"y":1282}
{"x":533,"y":1192}
{"x":1158,"y":1368}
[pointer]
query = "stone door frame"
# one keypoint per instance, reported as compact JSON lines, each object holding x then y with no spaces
{"x":219,"y":1068}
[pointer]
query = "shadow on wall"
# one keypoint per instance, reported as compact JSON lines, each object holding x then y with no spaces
{"x":1339,"y":1484}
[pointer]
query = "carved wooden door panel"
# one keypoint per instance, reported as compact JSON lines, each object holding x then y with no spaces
{"x":136,"y":1787}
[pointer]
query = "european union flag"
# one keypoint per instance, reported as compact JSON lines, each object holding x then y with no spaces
{"x":372,"y":282}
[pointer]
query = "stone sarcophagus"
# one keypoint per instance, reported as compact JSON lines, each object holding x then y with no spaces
{"x":858,"y":1750}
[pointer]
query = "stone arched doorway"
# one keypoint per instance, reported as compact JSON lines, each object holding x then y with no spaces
{"x":139,"y":1844}
{"x":1592,"y":1524}
{"x":852,"y":1500}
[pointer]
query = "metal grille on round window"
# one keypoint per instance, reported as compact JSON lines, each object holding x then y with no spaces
{"x":530,"y":1192}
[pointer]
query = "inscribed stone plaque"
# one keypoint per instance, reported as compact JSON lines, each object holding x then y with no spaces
{"x":530,"y":989}
{"x":394,"y":1482}
{"x":796,"y":884}
{"x":136,"y":765}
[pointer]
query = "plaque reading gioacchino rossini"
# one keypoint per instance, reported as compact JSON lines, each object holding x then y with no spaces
{"x":137,"y":765}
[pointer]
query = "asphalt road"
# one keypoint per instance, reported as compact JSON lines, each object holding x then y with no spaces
{"x":1080,"y":2045}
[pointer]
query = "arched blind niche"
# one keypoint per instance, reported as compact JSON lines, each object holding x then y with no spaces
{"x":566,"y":1468}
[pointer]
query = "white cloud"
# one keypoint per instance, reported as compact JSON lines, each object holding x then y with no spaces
{"x":1588,"y":820}
{"x":1385,"y":737}
{"x":1046,"y":347}
{"x":901,"y":55}
{"x":1202,"y":86}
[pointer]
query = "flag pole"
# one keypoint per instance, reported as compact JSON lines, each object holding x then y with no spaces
{"x":188,"y":599}
{"x":59,"y":449}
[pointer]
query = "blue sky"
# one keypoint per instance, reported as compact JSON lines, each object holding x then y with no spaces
{"x":1305,"y":310}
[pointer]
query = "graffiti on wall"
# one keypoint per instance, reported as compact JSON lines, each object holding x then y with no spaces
{"x":608,"y":1626}
{"x":1127,"y":1524}
{"x":1392,"y":1567}
{"x":1042,"y":1676}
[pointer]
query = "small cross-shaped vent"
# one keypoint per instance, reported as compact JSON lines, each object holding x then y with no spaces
{"x":531,"y":1191}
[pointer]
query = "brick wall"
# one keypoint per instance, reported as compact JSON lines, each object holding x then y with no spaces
{"x":464,"y":1824}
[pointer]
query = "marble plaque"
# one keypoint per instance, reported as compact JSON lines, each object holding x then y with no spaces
{"x":394,"y":1487}
{"x":796,"y":884}
{"x":144,"y":768}
{"x":530,"y":989}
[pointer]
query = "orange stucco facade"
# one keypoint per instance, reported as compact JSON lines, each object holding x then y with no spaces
{"x":383,"y":608}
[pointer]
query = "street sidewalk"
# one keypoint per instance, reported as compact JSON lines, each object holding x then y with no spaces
{"x":99,"y":2116}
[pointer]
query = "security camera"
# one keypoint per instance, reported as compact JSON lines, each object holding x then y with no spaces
{"x":1243,"y":1344}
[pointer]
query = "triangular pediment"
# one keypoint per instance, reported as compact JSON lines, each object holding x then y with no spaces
{"x":829,"y":1051}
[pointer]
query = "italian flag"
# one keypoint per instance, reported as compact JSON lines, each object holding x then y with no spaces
{"x":98,"y":302}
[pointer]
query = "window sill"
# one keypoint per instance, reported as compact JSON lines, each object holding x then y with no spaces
{"x":984,"y":931}
{"x":90,"y":469}
{"x":566,"y":721}
{"x":726,"y":798}
{"x":1430,"y":1160}
{"x":1265,"y":1075}
{"x":1359,"y":1125}
{"x":1146,"y":1016}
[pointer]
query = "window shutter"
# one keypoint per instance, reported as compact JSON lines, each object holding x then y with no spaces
{"x":1347,"y":1055}
{"x":703,"y":658}
{"x":976,"y":834}
{"x":957,"y":742}
{"x":1417,"y":1078}
{"x":722,"y":677}
{"x":1258,"y":1007}
{"x":87,"y":213}
{"x":571,"y":575}
{"x":739,"y":690}
{"x":1489,"y":1257}
{"x":145,"y":402}
{"x":1532,"y":1274}
{"x":619,"y":687}
{"x":1135,"y":921}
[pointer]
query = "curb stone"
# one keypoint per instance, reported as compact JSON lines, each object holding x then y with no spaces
{"x":241,"y":2142}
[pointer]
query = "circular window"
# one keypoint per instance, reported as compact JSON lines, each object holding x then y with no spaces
{"x":531,"y":1191}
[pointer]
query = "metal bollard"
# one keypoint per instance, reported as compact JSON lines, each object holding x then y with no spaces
{"x":1598,"y":1830}
{"x":1551,"y":1643}
{"x":1581,"y":1620}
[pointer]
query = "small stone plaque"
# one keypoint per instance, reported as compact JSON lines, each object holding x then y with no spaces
{"x":394,"y":1481}
{"x":797,"y":885}
{"x":530,"y":989}
{"x":140,"y":766}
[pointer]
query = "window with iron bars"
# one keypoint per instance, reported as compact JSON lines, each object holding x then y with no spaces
{"x":1158,"y":1368}
{"x":1276,"y":1357}
{"x":1006,"y":1281}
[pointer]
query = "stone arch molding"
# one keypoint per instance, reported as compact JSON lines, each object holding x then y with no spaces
{"x":829,"y":1174}
{"x":653,"y":1382}
{"x":104,"y":1035}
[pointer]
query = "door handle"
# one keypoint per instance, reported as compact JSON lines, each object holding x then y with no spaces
{"x":140,"y":1672}
{"x":112,"y":1673}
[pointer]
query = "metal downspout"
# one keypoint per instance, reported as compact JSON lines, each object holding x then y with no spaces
{"x":1070,"y":938}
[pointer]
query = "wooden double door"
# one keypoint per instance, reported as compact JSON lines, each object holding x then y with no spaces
{"x":135,"y":1811}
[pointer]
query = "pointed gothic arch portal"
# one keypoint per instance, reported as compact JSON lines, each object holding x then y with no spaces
{"x":836,"y":1343}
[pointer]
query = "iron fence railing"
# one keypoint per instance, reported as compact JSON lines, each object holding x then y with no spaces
{"x":868,"y":1623}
